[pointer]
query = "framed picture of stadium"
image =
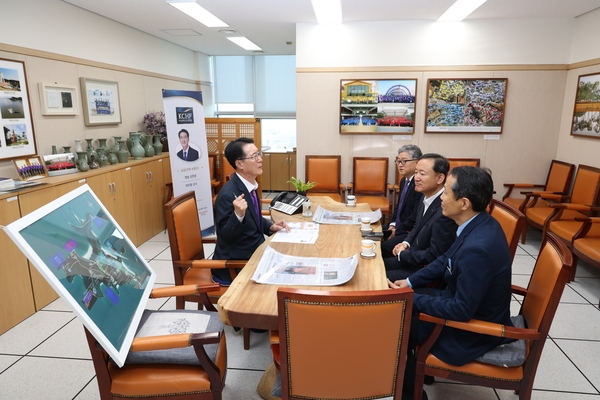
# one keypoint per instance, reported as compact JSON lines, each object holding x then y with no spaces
{"x":379,"y":106}
{"x":101,"y":104}
{"x":85,"y":256}
{"x":465,"y":105}
{"x":586,"y":112}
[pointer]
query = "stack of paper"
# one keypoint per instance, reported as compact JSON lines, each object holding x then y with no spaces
{"x":6,"y":184}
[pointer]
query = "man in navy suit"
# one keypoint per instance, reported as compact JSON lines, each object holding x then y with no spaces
{"x":187,"y":153}
{"x":433,"y":232}
{"x":476,"y":271}
{"x":240,"y":225}
{"x":403,"y":219}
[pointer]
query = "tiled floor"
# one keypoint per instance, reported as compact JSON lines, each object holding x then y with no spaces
{"x":46,"y":357}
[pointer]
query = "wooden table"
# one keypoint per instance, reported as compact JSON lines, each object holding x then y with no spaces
{"x":252,"y":305}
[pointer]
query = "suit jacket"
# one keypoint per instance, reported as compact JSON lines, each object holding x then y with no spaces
{"x":477,"y":273}
{"x":407,"y":211}
{"x":432,"y":235}
{"x":237,"y":240}
{"x":192,"y":154}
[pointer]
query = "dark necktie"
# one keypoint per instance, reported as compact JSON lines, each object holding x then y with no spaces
{"x":401,"y":202}
{"x":256,"y":204}
{"x":185,"y":155}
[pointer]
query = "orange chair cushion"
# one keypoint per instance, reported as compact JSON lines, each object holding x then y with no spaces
{"x":567,"y":229}
{"x":539,"y":215}
{"x":478,"y":369}
{"x":375,"y":202}
{"x":515,"y":202}
{"x":334,"y":196}
{"x":590,"y":246}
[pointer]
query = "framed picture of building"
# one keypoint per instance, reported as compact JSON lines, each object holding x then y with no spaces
{"x":465,"y":105}
{"x":18,"y":139}
{"x":101,"y":105}
{"x":586,"y":112}
{"x":377,"y":106}
{"x":85,"y":256}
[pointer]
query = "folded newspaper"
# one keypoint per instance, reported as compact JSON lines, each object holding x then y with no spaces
{"x":275,"y":268}
{"x":323,"y":216}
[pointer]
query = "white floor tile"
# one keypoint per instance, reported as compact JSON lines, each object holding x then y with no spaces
{"x":458,"y":391}
{"x":164,"y":271}
{"x":585,"y":354}
{"x":523,"y":265}
{"x":242,"y":384}
{"x":89,"y":392}
{"x":68,"y":342}
{"x":532,"y":247}
{"x":57,"y":305}
{"x":576,"y":321}
{"x":163,"y":236}
{"x":164,"y":255}
{"x":150,"y":250}
{"x":7,"y":361}
{"x":588,"y":288}
{"x":258,"y":357}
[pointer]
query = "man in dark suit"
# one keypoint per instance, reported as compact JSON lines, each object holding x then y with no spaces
{"x":433,"y":233}
{"x":476,"y":270}
{"x":240,"y":226}
{"x":403,"y":219}
{"x":187,"y":153}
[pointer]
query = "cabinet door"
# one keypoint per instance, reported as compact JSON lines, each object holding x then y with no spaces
{"x":148,"y":184}
{"x":280,"y":171}
{"x":16,"y":294}
{"x":266,"y":175}
{"x":292,"y":171}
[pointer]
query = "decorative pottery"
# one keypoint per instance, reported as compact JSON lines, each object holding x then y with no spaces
{"x":137,"y":151}
{"x":143,"y":139}
{"x":82,"y":163}
{"x":158,"y":146}
{"x":54,"y":151}
{"x":78,"y":147}
{"x":90,"y":151}
{"x":112,"y":156}
{"x":115,"y":146}
{"x":102,"y":158}
{"x":122,"y":154}
{"x":93,"y":163}
{"x":165,"y":142}
{"x":66,"y":149}
{"x":148,"y":148}
{"x":129,"y":141}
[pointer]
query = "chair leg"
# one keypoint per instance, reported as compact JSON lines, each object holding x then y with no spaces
{"x":246,"y":335}
{"x":524,"y":232}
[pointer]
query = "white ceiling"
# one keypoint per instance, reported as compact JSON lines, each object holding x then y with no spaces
{"x":272,"y":23}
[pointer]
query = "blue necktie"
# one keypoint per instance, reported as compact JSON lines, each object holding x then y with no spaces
{"x":185,"y":155}
{"x":401,"y":202}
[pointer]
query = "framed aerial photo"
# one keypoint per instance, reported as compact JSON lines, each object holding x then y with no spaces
{"x":86,"y":257}
{"x":58,"y":99}
{"x":377,"y":106}
{"x":465,"y":105}
{"x":101,"y":104}
{"x":586,"y":113}
{"x":17,"y":138}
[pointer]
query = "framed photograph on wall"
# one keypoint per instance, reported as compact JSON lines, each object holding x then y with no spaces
{"x":586,"y":112}
{"x":58,"y":99}
{"x":101,"y":104}
{"x":88,"y":259}
{"x":465,"y":105}
{"x":377,"y":106}
{"x":18,"y":139}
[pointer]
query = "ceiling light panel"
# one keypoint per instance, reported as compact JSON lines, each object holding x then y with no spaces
{"x":200,"y":14}
{"x":244,"y":43}
{"x":460,"y":10}
{"x":328,"y":11}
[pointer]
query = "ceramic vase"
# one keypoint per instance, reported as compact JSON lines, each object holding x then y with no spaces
{"x":112,"y":157}
{"x":82,"y":163}
{"x":137,"y":151}
{"x":158,"y":146}
{"x":122,"y":154}
{"x":115,"y":146}
{"x":54,"y":151}
{"x":78,"y":147}
{"x":148,"y":148}
{"x":93,"y":163}
{"x":66,"y":149}
{"x":102,"y":158}
{"x":90,"y":151}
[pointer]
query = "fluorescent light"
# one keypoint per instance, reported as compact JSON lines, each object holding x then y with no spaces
{"x":328,"y":11}
{"x":244,"y":43}
{"x":460,"y":9}
{"x":197,"y":12}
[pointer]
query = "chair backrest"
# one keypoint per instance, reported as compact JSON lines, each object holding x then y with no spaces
{"x":183,"y":226}
{"x":326,"y":171}
{"x":212,"y":167}
{"x":560,"y":176}
{"x":512,"y":222}
{"x":459,"y":162}
{"x":548,"y":279}
{"x":343,"y":344}
{"x":370,"y":175}
{"x":227,"y":170}
{"x":586,"y":189}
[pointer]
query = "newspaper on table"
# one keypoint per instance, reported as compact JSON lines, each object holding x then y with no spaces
{"x":300,"y":232}
{"x":275,"y":268}
{"x":323,"y":216}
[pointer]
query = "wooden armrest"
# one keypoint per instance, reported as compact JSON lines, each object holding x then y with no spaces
{"x":523,"y":185}
{"x":518,"y":290}
{"x":214,"y":263}
{"x":574,"y":207}
{"x":183,"y":290}
{"x":265,"y":201}
{"x":165,"y":342}
{"x":350,"y":187}
{"x":485,"y":328}
{"x":554,"y":196}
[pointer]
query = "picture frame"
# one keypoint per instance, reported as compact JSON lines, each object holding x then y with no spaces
{"x":465,"y":105}
{"x":87,"y":258}
{"x":101,"y":104}
{"x":377,"y":106}
{"x":586,"y":110}
{"x":58,"y":99}
{"x":18,"y":138}
{"x":30,"y":168}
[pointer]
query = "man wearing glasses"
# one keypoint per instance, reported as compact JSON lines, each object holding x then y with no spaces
{"x":403,"y":218}
{"x":240,"y":226}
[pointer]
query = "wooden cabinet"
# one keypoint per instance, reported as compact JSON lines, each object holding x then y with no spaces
{"x":148,"y":185}
{"x":16,"y":293}
{"x":277,"y":170}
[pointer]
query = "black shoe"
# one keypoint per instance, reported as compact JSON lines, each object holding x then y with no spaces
{"x":258,"y":330}
{"x":236,"y":328}
{"x":406,"y":396}
{"x":429,"y":380}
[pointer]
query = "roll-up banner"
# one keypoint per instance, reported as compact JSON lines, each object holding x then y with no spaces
{"x":186,"y":132}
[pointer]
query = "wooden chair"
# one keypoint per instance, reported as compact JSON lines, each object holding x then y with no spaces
{"x":558,"y":181}
{"x":327,"y":172}
{"x":539,"y":305}
{"x":156,"y":378}
{"x":187,"y":253}
{"x":370,"y":185}
{"x":586,"y":244}
{"x":342,"y":345}
{"x":512,"y":222}
{"x":459,"y":162}
{"x":585,"y":193}
{"x":214,"y":182}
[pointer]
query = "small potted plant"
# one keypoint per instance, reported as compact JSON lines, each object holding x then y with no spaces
{"x":300,"y":186}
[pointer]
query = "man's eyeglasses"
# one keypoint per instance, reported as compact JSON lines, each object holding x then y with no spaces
{"x":254,"y":156}
{"x":403,"y":162}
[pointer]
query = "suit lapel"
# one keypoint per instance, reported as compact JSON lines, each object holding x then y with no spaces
{"x":248,"y":198}
{"x":459,"y":240}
